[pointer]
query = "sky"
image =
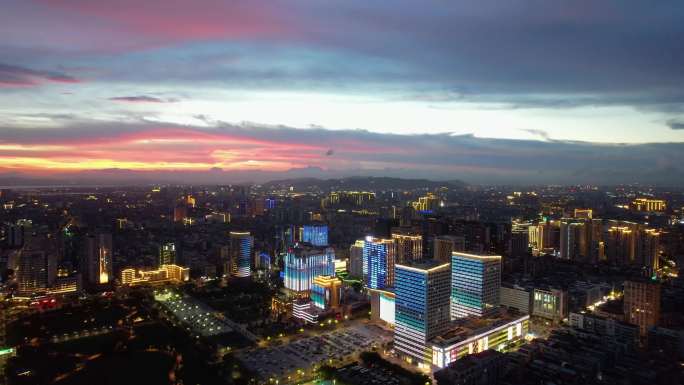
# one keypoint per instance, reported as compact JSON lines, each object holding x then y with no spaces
{"x":214,"y":90}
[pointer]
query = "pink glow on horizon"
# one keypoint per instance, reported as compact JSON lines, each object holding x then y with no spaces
{"x":169,"y":149}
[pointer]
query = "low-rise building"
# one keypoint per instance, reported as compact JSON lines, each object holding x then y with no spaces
{"x":475,"y":335}
{"x":516,"y":297}
{"x":165,"y":273}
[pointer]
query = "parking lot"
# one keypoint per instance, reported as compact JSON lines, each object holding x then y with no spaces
{"x":197,"y":316}
{"x":297,"y":360}
{"x":358,"y":375}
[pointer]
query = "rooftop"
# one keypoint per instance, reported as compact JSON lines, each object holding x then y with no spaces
{"x":477,"y":256}
{"x":423,"y":264}
{"x":465,"y":328}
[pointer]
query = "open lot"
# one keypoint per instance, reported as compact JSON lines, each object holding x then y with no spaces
{"x":297,"y":360}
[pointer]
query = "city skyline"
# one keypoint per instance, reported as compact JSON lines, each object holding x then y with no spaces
{"x":528,"y":92}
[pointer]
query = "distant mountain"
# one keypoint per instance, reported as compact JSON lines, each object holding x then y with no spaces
{"x":301,"y":178}
{"x":363,"y":183}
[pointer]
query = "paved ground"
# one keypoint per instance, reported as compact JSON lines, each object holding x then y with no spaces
{"x":297,"y":360}
{"x":200,"y":318}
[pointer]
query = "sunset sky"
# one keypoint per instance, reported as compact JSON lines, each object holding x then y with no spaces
{"x":484,"y":91}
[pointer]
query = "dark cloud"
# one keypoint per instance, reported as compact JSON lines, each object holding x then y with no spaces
{"x":540,"y":133}
{"x":17,"y":76}
{"x":143,"y":99}
{"x":531,"y":53}
{"x":675,"y":124}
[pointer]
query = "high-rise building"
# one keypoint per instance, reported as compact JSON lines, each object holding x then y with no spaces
{"x":651,"y":205}
{"x":544,"y":237}
{"x":515,"y":297}
{"x":642,"y":304}
{"x":597,"y":245}
{"x":355,"y":267}
{"x":15,"y":236}
{"x":98,"y":255}
{"x":574,"y":239}
{"x":379,"y":259}
{"x":621,"y":242}
{"x":444,"y":245}
{"x":382,"y":306}
{"x":180,"y":212}
{"x":408,"y":245}
{"x":648,"y":249}
{"x":421,"y":307}
{"x":316,"y":234}
{"x":167,"y":254}
{"x":304,"y":263}
{"x":346,"y":198}
{"x":475,"y":284}
{"x":257,"y":206}
{"x":37,"y":271}
{"x":520,"y":240}
{"x":326,"y":292}
{"x":429,"y":202}
{"x":241,"y":246}
{"x":583,"y":214}
{"x":550,"y":303}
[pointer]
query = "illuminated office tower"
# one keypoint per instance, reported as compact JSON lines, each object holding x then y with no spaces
{"x":444,"y":245}
{"x":642,"y":304}
{"x":99,"y":258}
{"x":355,"y":267}
{"x":326,"y":292}
{"x":316,"y":235}
{"x":304,"y":263}
{"x":241,"y":246}
{"x":408,"y":246}
{"x":378,"y":263}
{"x":475,"y":284}
{"x":421,"y":307}
{"x":167,"y":254}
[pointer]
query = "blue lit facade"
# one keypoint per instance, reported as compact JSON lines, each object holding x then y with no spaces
{"x":475,"y":284}
{"x":302,"y":265}
{"x":378,"y":263}
{"x":318,"y":296}
{"x":241,"y":250}
{"x":264,"y":261}
{"x":316,"y":235}
{"x":421,"y":308}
